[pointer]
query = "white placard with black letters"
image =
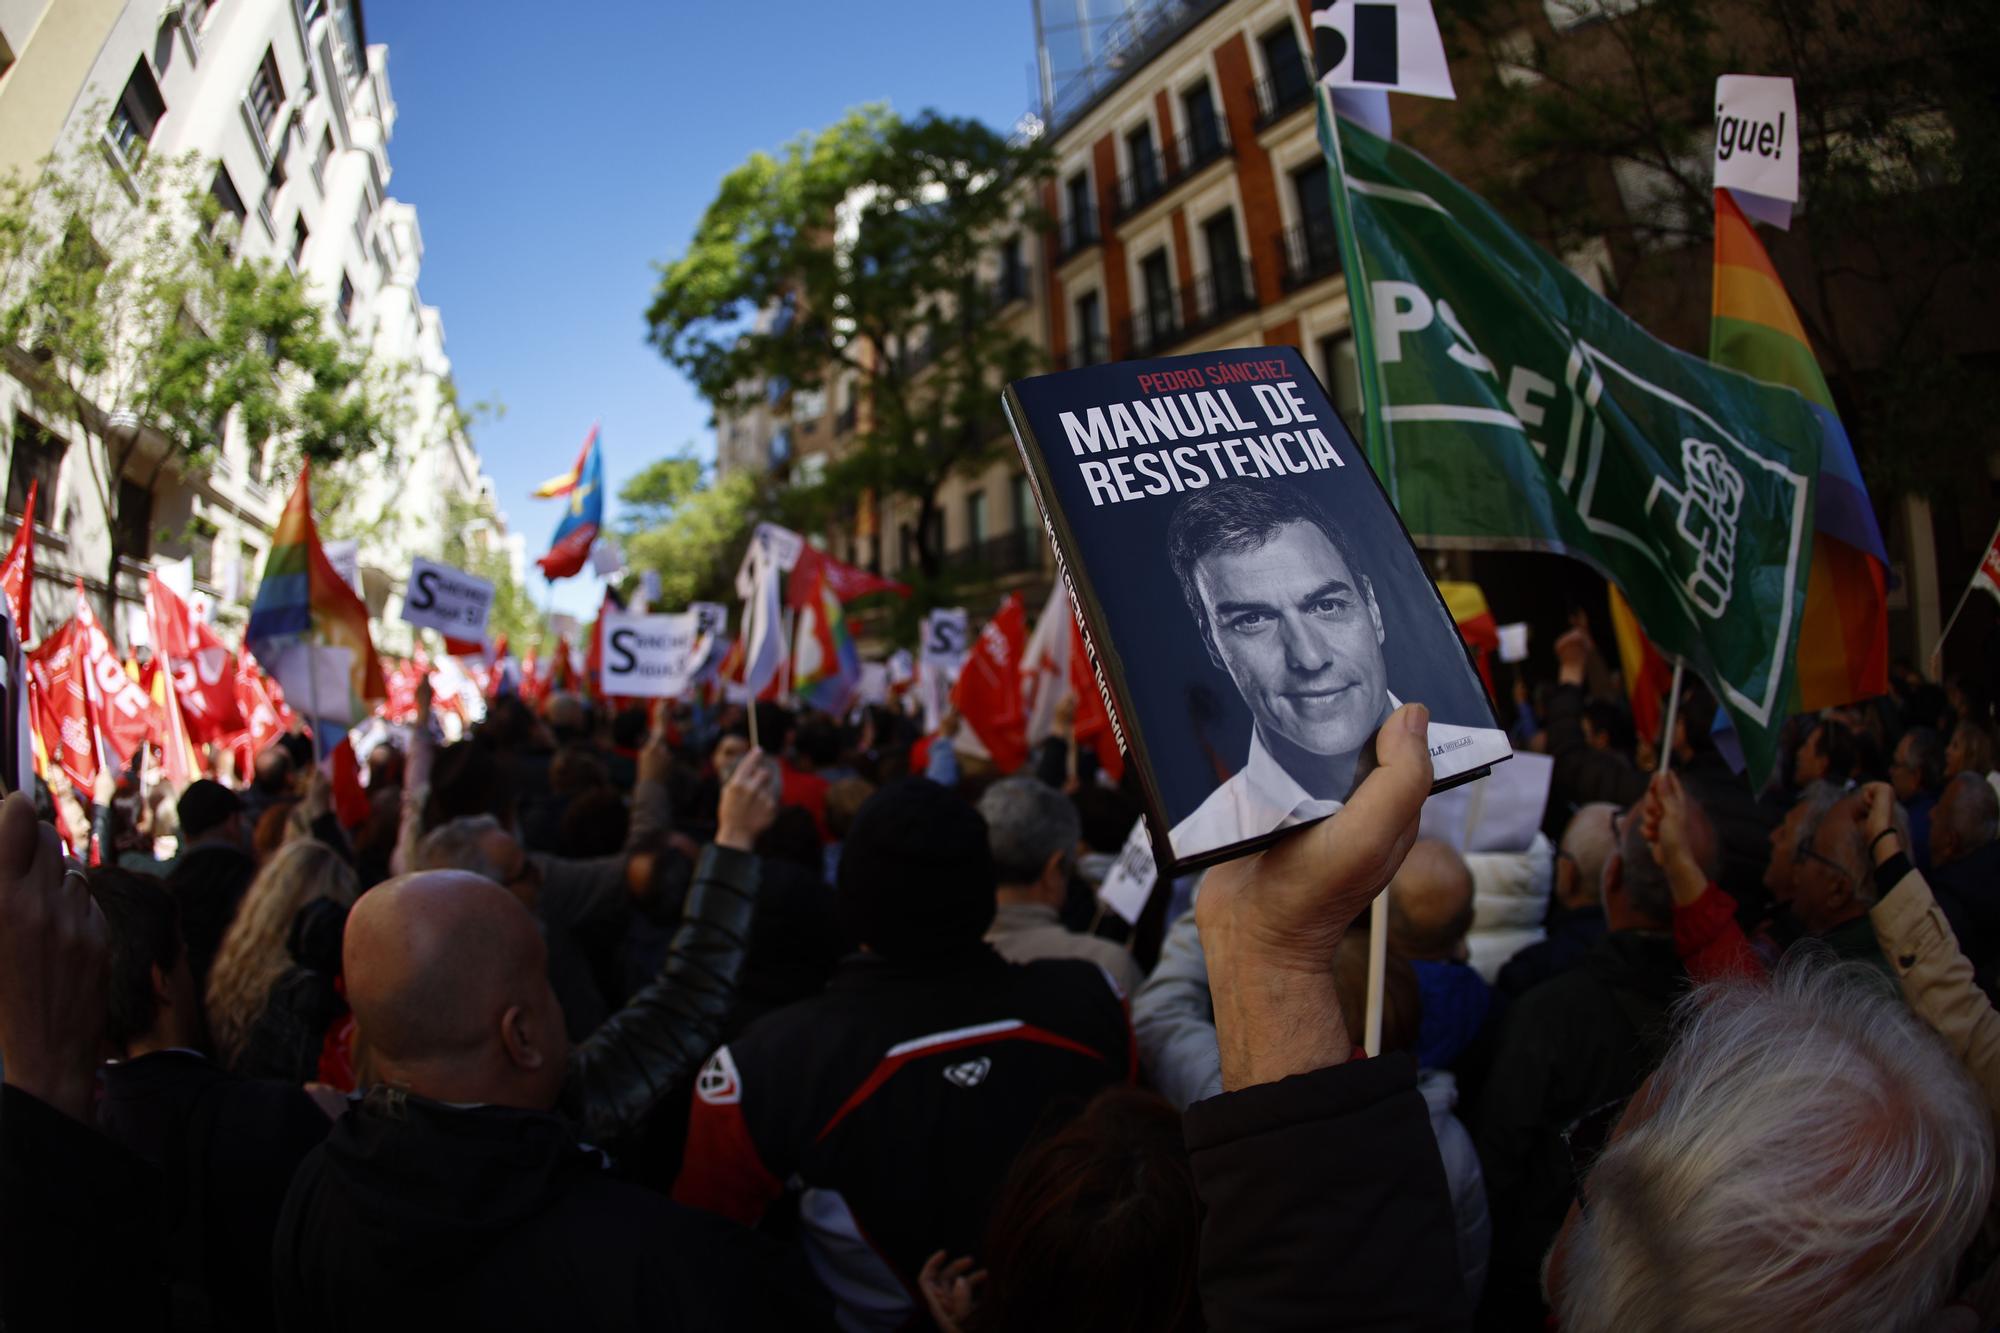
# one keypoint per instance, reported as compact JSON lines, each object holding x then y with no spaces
{"x":448,"y":600}
{"x":648,"y":656}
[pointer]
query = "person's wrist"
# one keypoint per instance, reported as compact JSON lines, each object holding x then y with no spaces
{"x":1277,"y":1012}
{"x":1885,"y":845}
{"x":1685,"y":878}
{"x":736,"y":837}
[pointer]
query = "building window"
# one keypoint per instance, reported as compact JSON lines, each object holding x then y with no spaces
{"x":37,"y":457}
{"x":322,"y":157}
{"x":1024,"y":502}
{"x":1285,"y":67}
{"x":1145,"y":164}
{"x":1013,"y":284}
{"x":267,"y":92}
{"x":1089,"y":330}
{"x":300,"y":234}
{"x":975,"y":519}
{"x":1342,"y":370}
{"x":1230,"y":285}
{"x":138,"y":113}
{"x":1159,"y":318}
{"x":1312,"y":249}
{"x":135,"y":520}
{"x":1204,"y":127}
{"x":345,"y":307}
{"x":1079,"y":224}
{"x":223,"y":190}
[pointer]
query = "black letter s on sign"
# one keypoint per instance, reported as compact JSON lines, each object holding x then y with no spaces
{"x":621,"y":645}
{"x":426,"y":591}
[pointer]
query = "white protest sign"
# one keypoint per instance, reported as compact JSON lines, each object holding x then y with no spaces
{"x":345,"y":557}
{"x":710,"y":617}
{"x":1757,"y":143}
{"x":1130,"y":881}
{"x":874,"y":685}
{"x":448,"y":600}
{"x":1386,"y":44}
{"x":605,"y":557}
{"x":902,"y":667}
{"x":779,"y":545}
{"x":946,"y":637}
{"x":647,"y":656}
{"x":649,"y":584}
{"x":1514,"y":642}
{"x":1500,"y":812}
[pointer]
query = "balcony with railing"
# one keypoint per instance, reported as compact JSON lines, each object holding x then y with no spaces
{"x":1077,"y":233}
{"x":1216,"y":297}
{"x":1153,"y":176}
{"x":1016,"y":552}
{"x":1009,"y":287}
{"x":1281,"y":92}
{"x":1087,"y":351}
{"x":1311,"y":250}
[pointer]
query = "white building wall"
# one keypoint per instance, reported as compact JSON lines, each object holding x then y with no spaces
{"x":204,"y":59}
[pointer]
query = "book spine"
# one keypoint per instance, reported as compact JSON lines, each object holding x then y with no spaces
{"x":1031,"y":462}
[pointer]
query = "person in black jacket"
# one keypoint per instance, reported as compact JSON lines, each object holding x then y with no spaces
{"x":213,"y":870}
{"x":458,"y":1155}
{"x":226,"y":1145}
{"x":1570,"y":1052}
{"x":896,"y":1100}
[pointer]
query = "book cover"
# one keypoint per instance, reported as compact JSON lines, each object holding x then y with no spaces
{"x":1251,"y":602}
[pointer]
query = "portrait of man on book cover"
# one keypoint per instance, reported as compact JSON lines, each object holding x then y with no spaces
{"x":1299,"y":618}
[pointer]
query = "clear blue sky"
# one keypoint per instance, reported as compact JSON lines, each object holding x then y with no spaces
{"x":555,"y":153}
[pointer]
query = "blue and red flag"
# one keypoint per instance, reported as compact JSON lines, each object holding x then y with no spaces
{"x":584,"y":485}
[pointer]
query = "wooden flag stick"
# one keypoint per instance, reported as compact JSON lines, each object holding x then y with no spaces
{"x":1378,"y":968}
{"x":1673,"y":708}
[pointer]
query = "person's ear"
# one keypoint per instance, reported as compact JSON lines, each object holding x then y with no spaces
{"x":1566,"y":873}
{"x":523,"y":1043}
{"x":1613,"y":879}
{"x":1374,"y":611}
{"x":1055,"y":872}
{"x":163,"y":986}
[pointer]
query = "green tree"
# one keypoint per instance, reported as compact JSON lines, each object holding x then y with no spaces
{"x":468,"y":521}
{"x":863,"y":250}
{"x":1899,"y":172}
{"x":127,"y":313}
{"x":688,"y":526}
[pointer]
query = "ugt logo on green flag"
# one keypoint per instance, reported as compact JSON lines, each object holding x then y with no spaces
{"x":1511,"y":407}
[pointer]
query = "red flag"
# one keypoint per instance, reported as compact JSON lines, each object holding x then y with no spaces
{"x":120,"y":712}
{"x":403,"y":679}
{"x":350,"y":798}
{"x":62,"y":713}
{"x":17,"y":571}
{"x":167,"y":618}
{"x":262,"y":707}
{"x":1093,"y":723}
{"x":988,"y":692}
{"x":205,"y":684}
{"x":847,"y":581}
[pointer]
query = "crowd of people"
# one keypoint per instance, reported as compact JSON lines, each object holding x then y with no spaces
{"x":608,"y":1018}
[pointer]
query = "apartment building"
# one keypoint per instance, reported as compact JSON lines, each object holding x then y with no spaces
{"x":294,"y":108}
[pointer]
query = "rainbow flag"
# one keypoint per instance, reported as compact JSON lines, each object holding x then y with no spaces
{"x":1843,"y":652}
{"x":825,"y":664}
{"x":309,"y":630}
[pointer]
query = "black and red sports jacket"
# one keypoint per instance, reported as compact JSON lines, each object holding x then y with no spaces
{"x":894,"y":1102}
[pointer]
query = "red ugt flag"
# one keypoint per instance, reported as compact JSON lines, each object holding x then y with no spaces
{"x":17,"y":571}
{"x":988,"y":692}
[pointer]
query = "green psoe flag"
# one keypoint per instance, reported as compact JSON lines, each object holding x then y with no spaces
{"x":1510,"y":407}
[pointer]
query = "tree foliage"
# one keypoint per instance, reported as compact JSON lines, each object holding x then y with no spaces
{"x":127,"y":313}
{"x":1899,"y":169}
{"x":863,"y":251}
{"x":688,"y":526}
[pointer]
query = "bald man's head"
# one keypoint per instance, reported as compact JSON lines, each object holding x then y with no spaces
{"x":447,"y":975}
{"x":1430,"y":903}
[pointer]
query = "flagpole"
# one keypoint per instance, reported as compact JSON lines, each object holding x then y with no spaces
{"x":1673,"y":707}
{"x":1376,"y":441}
{"x":1936,"y":662}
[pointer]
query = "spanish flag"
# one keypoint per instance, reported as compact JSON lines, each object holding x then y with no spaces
{"x":1843,"y":652}
{"x":564,"y":484}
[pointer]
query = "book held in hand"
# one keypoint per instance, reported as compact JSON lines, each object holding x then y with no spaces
{"x":1251,"y":602}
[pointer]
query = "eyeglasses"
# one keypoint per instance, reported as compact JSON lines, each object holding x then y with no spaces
{"x":1807,"y":854}
{"x":1584,"y":1140}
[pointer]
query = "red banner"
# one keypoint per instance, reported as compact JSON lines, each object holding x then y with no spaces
{"x":17,"y":571}
{"x":988,"y":692}
{"x":61,"y":713}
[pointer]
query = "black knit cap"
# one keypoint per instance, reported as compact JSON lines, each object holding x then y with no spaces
{"x":205,"y":805}
{"x":916,"y":875}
